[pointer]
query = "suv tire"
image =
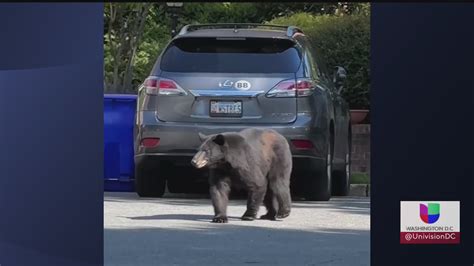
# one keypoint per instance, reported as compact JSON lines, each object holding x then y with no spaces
{"x":319,"y":187}
{"x":148,"y":181}
{"x":341,"y":178}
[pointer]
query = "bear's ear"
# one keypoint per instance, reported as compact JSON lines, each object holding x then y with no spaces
{"x":202,"y":137}
{"x":219,"y":139}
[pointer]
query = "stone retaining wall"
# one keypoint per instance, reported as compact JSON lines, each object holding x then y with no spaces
{"x":361,"y":148}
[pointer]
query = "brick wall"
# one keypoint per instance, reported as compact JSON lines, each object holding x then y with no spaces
{"x":361,"y":148}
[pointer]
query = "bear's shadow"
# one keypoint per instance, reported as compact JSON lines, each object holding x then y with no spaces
{"x":186,"y":217}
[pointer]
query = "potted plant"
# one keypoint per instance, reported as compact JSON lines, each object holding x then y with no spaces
{"x":358,"y":115}
{"x":359,"y":104}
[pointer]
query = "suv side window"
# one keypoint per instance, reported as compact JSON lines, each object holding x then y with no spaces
{"x":307,"y":66}
{"x":318,"y":57}
{"x":310,"y":66}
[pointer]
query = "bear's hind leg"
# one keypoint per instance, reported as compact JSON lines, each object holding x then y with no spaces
{"x":271,"y":204}
{"x":219,"y":192}
{"x":254,"y":200}
{"x":284,"y":199}
{"x":281,"y":190}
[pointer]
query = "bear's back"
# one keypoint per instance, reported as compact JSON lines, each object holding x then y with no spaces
{"x":268,"y":141}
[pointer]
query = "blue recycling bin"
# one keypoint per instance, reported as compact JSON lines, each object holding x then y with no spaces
{"x":119,"y":114}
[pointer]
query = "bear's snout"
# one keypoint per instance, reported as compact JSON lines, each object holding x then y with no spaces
{"x":200,"y":159}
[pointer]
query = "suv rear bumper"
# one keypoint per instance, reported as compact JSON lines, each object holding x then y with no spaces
{"x":182,"y":139}
{"x":177,"y":168}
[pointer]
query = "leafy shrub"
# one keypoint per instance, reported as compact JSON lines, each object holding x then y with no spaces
{"x":344,"y":41}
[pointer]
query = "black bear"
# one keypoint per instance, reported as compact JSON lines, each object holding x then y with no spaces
{"x":258,"y":160}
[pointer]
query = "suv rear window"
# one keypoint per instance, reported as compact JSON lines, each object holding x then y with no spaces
{"x":238,"y":55}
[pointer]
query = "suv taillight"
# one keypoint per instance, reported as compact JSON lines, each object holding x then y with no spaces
{"x":150,"y":142}
{"x":162,"y":86}
{"x":289,"y":88}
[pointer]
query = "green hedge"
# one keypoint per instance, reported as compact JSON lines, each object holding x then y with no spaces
{"x":345,"y":41}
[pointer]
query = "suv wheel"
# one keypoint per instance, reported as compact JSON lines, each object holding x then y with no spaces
{"x":148,"y":181}
{"x":341,"y":185}
{"x":319,"y":188}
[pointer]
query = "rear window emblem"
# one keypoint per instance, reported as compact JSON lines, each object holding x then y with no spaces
{"x":226,"y":84}
{"x":242,"y":85}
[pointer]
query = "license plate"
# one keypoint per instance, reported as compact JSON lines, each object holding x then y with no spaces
{"x":228,"y":108}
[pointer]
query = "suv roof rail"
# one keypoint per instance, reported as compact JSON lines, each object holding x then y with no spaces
{"x":290,"y":30}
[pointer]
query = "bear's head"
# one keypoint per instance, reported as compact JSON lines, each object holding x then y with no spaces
{"x":217,"y":149}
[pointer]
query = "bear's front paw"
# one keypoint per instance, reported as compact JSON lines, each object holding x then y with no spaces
{"x":268,"y":216}
{"x":219,"y":220}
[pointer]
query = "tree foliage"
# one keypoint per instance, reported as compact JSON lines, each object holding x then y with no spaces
{"x":125,"y":24}
{"x":344,"y":40}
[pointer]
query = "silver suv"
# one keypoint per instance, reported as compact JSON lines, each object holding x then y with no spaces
{"x":226,"y":77}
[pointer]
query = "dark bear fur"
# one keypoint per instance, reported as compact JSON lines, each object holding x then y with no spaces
{"x":259,"y":160}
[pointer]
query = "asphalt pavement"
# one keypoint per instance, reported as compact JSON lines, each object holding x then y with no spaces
{"x":176,"y":230}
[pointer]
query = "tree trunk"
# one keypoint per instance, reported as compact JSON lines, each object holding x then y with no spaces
{"x":135,"y":38}
{"x":126,"y":23}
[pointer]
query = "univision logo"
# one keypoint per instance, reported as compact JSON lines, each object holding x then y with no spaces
{"x":420,"y":222}
{"x":429,"y":214}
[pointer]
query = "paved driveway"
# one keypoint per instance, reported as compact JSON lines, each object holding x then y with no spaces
{"x":175,"y":230}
